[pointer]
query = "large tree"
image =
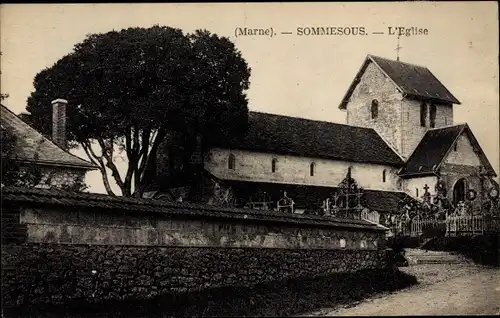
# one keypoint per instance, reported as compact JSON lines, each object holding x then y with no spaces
{"x":129,"y":90}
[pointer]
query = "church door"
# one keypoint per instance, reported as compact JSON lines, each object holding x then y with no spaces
{"x":459,"y":191}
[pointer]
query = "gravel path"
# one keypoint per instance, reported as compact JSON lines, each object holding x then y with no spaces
{"x":444,"y":289}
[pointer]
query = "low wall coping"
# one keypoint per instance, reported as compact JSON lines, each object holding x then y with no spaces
{"x":139,"y":206}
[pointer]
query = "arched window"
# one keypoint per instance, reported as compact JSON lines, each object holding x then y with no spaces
{"x":383,"y":175}
{"x":374,"y":109}
{"x":311,"y":169}
{"x":423,"y":114}
{"x":273,"y":165}
{"x":231,"y":161}
{"x":432,"y":119}
{"x":417,"y":191}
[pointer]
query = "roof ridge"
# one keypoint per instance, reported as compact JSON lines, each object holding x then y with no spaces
{"x":447,"y":126}
{"x":396,"y":61}
{"x":311,"y":120}
{"x":384,"y":190}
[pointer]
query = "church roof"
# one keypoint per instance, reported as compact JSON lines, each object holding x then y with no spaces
{"x":316,"y":139}
{"x":412,"y":80}
{"x":30,"y":142}
{"x":435,"y":146}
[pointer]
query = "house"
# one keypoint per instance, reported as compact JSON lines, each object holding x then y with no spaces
{"x":399,"y":143}
{"x":59,"y":168}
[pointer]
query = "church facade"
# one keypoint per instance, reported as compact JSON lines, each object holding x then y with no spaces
{"x":399,"y":142}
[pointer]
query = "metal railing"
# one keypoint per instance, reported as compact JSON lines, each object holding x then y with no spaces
{"x":457,"y":224}
{"x":371,"y":216}
{"x":453,"y":225}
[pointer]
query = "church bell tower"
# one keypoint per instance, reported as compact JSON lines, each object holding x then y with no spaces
{"x":401,"y":101}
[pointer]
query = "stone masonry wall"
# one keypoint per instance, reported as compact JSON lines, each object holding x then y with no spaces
{"x":398,"y":119}
{"x":464,"y":153}
{"x":56,"y":274}
{"x":412,"y":132}
{"x":451,"y":173}
{"x":67,"y":226}
{"x":61,"y":177}
{"x":55,"y":254}
{"x":411,"y":185}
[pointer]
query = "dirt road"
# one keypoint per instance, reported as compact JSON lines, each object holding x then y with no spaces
{"x":474,"y":294}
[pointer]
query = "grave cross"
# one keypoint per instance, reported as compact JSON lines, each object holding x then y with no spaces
{"x":357,"y":195}
{"x":426,"y":188}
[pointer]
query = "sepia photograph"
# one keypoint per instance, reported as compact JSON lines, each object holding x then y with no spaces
{"x":279,"y":159}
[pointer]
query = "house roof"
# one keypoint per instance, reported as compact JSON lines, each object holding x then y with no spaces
{"x":384,"y":201}
{"x":286,"y":135}
{"x":304,"y":195}
{"x":412,"y":80}
{"x":30,"y":142}
{"x":139,"y":206}
{"x":435,"y":146}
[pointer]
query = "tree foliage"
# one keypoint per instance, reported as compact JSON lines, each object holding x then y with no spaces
{"x":12,"y":173}
{"x":129,"y":90}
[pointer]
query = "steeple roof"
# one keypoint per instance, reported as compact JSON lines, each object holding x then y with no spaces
{"x":414,"y":81}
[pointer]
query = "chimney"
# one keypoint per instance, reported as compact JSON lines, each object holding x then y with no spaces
{"x":59,"y":122}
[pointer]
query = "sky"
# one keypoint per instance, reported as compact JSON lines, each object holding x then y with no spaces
{"x":292,"y":74}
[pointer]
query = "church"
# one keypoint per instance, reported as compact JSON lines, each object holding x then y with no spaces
{"x":399,"y":143}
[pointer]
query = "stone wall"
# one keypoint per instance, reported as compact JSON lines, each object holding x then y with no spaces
{"x":464,"y":153}
{"x":85,"y":247}
{"x":411,"y":185}
{"x":412,"y":132}
{"x":451,"y":173}
{"x":67,"y":226}
{"x":62,"y":177}
{"x":56,"y":274}
{"x":255,"y":166}
{"x":398,"y":119}
{"x":376,"y":85}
